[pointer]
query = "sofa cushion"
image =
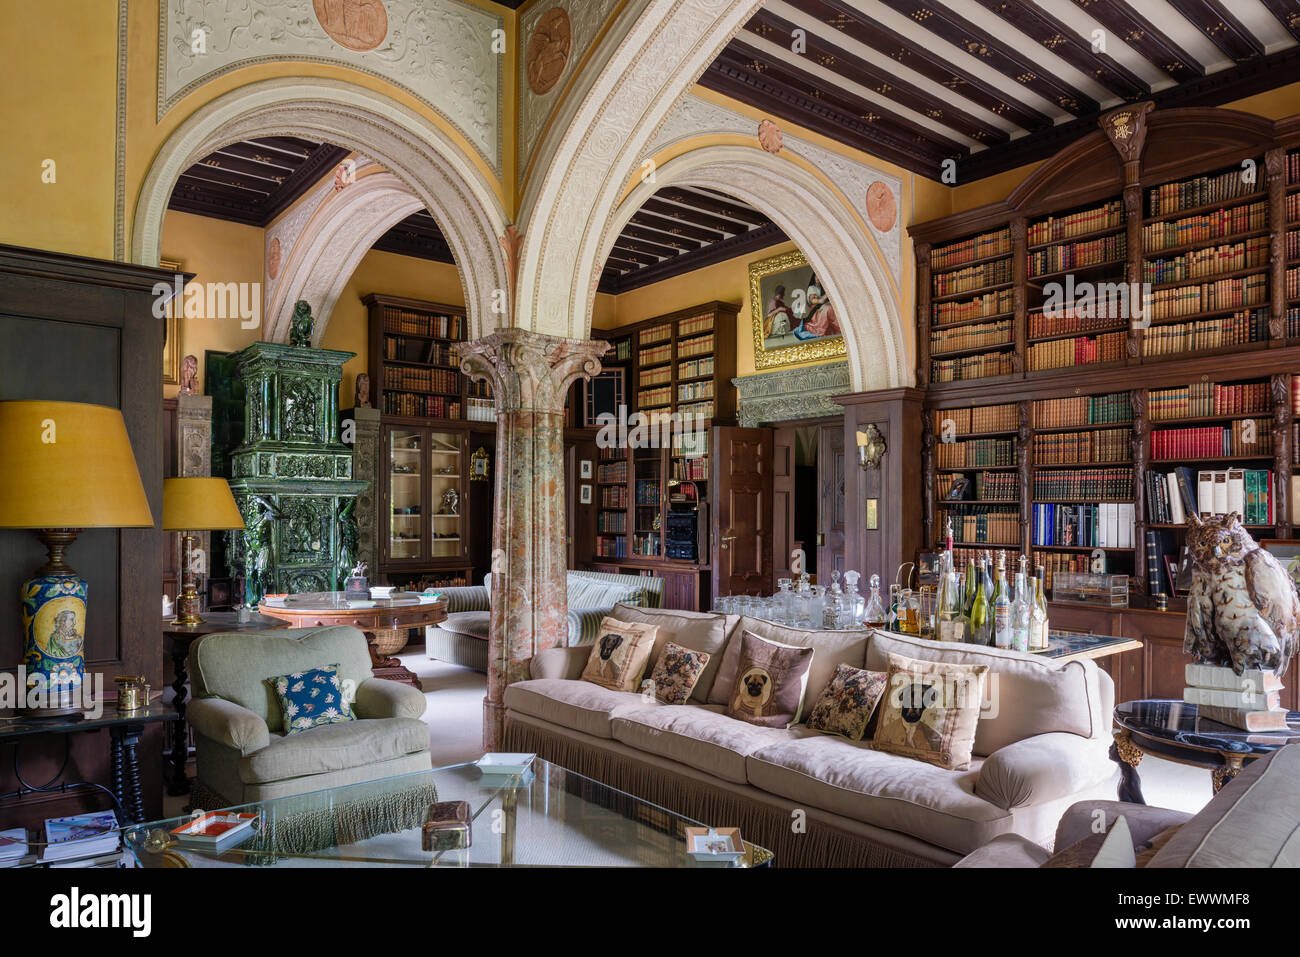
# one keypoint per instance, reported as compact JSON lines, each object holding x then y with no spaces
{"x":1024,"y":694}
{"x":848,"y":778}
{"x":594,"y":593}
{"x":578,"y":705}
{"x":831,"y":648}
{"x":849,"y":701}
{"x":696,"y":630}
{"x":311,"y":697}
{"x":334,"y":747}
{"x":471,"y":623}
{"x":930,"y":710}
{"x":698,"y":736}
{"x":619,"y":654}
{"x":677,"y":672}
{"x":770,"y":682}
{"x":1253,"y":822}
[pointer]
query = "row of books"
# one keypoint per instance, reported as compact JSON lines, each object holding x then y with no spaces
{"x":1104,"y":525}
{"x":659,"y":375}
{"x":1079,"y":351}
{"x":967,"y":250}
{"x":648,"y":398}
{"x":614,"y":473}
{"x":421,"y":406}
{"x":982,"y":418}
{"x":418,"y":350}
{"x":691,"y":470}
{"x":1172,"y":496}
{"x":1207,"y":297}
{"x":689,"y":391}
{"x":655,"y":334}
{"x":412,"y":323}
{"x":695,"y":368}
{"x":1293,"y":244}
{"x":656,"y":355}
{"x":1052,"y":228}
{"x":1083,"y":485}
{"x":986,"y":487}
{"x":1074,"y":255}
{"x":1293,"y":283}
{"x":611,"y":546}
{"x":427,"y":380}
{"x":647,"y":492}
{"x":613,"y":496}
{"x":622,"y":350}
{"x":1242,"y":437}
{"x":990,"y":304}
{"x":1198,"y":191}
{"x":1115,"y":408}
{"x":702,"y":410}
{"x":1293,"y":208}
{"x":1210,"y":398}
{"x":1293,"y":322}
{"x":1210,"y":261}
{"x":615,"y":522}
{"x":695,"y":325}
{"x":480,"y":410}
{"x":82,"y":840}
{"x":972,"y":337}
{"x":1237,"y":329}
{"x":1067,"y":320}
{"x":1204,"y":227}
{"x":983,"y":524}
{"x":972,"y":367}
{"x":1070,"y":448}
{"x":973,"y":277}
{"x":975,"y":453}
{"x":1293,"y":168}
{"x":703,"y":345}
{"x":478,"y":388}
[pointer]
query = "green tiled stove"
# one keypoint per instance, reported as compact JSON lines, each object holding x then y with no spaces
{"x":292,"y":477}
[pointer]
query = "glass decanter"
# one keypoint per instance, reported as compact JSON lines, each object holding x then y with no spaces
{"x":852,"y":603}
{"x":784,"y":600}
{"x":817,"y":606}
{"x":831,"y":601}
{"x":873,"y":614}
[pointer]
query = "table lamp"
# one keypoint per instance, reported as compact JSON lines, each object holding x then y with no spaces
{"x":64,"y":466}
{"x":189,"y":505}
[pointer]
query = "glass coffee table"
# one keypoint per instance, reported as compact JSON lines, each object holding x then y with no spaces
{"x":546,"y":817}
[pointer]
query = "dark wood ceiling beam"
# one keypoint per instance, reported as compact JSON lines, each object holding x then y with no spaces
{"x":676,"y":228}
{"x":684,"y":243}
{"x":732,"y":209}
{"x":1019,"y":65}
{"x":219,"y":174}
{"x":631,"y":255}
{"x":322,"y":159}
{"x":885,"y":83}
{"x":1287,"y":13}
{"x":1139,"y":33}
{"x":622,"y":264}
{"x":248,"y":198}
{"x":839,"y":15}
{"x":689,"y":214}
{"x":1065,"y":42}
{"x":742,"y":245}
{"x":1220,"y":27}
{"x":625,"y":241}
{"x":226,"y":159}
{"x":403,"y":244}
{"x":293,"y":145}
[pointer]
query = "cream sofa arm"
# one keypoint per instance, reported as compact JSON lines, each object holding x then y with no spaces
{"x":1042,"y":768}
{"x":228,"y":723}
{"x":560,"y":662}
{"x":381,"y":698}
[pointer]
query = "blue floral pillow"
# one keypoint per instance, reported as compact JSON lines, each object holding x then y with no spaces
{"x":312,"y":697}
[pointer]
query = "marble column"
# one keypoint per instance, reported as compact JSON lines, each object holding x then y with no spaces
{"x":366,"y":456}
{"x":530,"y":375}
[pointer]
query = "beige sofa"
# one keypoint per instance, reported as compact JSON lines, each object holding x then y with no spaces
{"x":820,"y":799}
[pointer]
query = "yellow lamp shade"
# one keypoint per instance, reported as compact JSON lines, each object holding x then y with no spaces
{"x":68,"y":465}
{"x":199,"y":504}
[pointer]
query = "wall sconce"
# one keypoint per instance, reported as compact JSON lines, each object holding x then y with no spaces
{"x":871,"y":447}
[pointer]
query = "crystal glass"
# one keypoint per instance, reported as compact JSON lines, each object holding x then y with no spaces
{"x":784,"y":598}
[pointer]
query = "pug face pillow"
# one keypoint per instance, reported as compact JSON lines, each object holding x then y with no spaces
{"x":770,"y":682}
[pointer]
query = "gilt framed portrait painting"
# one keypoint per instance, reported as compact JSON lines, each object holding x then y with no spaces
{"x":794,"y":316}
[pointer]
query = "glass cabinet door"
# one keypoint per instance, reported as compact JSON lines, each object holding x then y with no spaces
{"x":446,"y":495}
{"x":406,"y":482}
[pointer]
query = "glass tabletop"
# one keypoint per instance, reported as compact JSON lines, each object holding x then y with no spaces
{"x":546,"y":817}
{"x":1179,"y":722}
{"x":338,"y":601}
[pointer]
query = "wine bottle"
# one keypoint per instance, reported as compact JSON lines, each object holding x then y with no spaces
{"x":1038,"y":629}
{"x":1002,"y":608}
{"x":1020,"y":611}
{"x":981,"y":615}
{"x":949,"y":619}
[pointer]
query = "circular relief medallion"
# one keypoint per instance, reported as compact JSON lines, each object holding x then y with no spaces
{"x":273,"y":259}
{"x":769,"y":136}
{"x":359,"y":25}
{"x":548,"y":50}
{"x":882,"y":210}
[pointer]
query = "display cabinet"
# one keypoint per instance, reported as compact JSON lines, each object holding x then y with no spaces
{"x":424,"y":504}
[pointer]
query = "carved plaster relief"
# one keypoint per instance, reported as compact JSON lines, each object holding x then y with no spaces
{"x":440,"y":51}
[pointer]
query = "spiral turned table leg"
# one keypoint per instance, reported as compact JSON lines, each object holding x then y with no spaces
{"x":1128,"y":756}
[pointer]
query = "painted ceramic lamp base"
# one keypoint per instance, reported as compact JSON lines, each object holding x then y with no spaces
{"x":53,"y":612}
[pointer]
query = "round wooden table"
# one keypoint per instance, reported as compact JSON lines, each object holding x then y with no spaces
{"x":318,"y":609}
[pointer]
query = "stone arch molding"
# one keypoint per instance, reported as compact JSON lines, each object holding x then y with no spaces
{"x":824,"y":228}
{"x":418,"y":155}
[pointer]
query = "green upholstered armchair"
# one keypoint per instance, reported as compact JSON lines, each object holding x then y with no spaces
{"x":244,"y":754}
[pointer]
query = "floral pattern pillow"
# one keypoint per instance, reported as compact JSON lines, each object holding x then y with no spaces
{"x":845,"y":706}
{"x":676,"y":672}
{"x":312,"y":697}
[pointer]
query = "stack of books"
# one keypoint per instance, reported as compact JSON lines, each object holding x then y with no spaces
{"x":84,"y":840}
{"x":1250,"y":700}
{"x":13,"y":847}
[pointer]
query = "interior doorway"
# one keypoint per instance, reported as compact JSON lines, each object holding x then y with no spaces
{"x":808,"y":498}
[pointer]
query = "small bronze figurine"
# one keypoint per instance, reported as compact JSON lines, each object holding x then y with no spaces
{"x":189,"y":373}
{"x":363,"y":391}
{"x":301,"y":328}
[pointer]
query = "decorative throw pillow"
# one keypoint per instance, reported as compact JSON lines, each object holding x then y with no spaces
{"x":311,"y":697}
{"x":930,"y":711}
{"x":676,"y":672}
{"x":770,"y":682}
{"x":1113,"y":849}
{"x":619,"y":654}
{"x":846,"y":704}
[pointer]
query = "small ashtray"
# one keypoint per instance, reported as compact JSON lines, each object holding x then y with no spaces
{"x":504,"y":763}
{"x":380,"y":592}
{"x":720,"y":845}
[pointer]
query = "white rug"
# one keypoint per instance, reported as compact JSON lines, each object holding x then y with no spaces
{"x":455,"y":711}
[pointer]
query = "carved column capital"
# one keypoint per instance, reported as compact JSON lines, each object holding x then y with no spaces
{"x":528,"y":370}
{"x":1126,"y":128}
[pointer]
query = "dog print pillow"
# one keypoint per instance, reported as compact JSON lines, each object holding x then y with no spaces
{"x":620,"y":654}
{"x":770,"y":683}
{"x":847,"y":703}
{"x":930,"y":710}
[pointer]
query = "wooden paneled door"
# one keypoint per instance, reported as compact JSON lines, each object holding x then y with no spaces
{"x":741,"y":551}
{"x":830,"y":503}
{"x":783,"y":500}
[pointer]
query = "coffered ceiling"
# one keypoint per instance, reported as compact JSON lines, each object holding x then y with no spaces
{"x":995,"y":84}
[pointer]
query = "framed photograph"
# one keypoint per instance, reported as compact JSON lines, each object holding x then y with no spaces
{"x":584,"y":494}
{"x":584,"y":469}
{"x":793,"y":316}
{"x":172,"y":331}
{"x":927,"y":568}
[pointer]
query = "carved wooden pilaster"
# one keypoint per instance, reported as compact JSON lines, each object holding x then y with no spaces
{"x":924,"y":285}
{"x":1138,"y":442}
{"x":1280,"y":391}
{"x":1275,"y":178}
{"x":927,"y":472}
{"x":1126,"y":128}
{"x":1019,"y":276}
{"x":530,"y":375}
{"x":1024,"y":441}
{"x":1133,"y":269}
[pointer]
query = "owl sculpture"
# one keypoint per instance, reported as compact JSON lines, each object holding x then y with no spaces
{"x":1242,"y":611}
